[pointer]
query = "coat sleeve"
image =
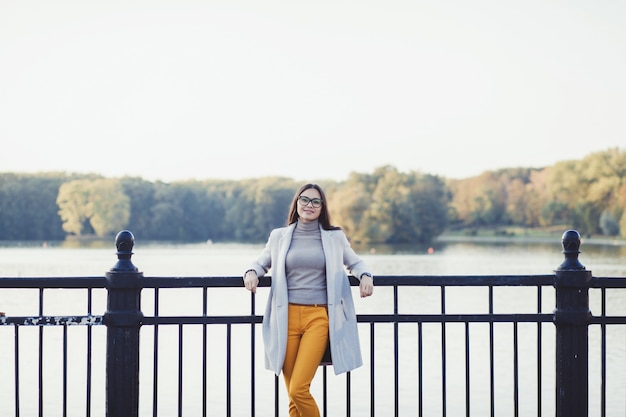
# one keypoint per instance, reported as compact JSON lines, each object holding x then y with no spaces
{"x":264,"y":262}
{"x":353,"y":262}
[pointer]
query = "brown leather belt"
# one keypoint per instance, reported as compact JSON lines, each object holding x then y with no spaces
{"x":308,"y":305}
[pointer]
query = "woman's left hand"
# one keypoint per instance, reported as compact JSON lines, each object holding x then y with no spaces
{"x":366,"y":286}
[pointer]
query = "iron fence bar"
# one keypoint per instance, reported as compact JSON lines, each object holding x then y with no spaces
{"x":462,"y":318}
{"x":89,"y":354}
{"x":608,"y":320}
{"x":603,"y":355}
{"x":276,"y":396}
{"x":372,"y":371}
{"x":515,"y":371}
{"x":176,"y":320}
{"x":443,"y":354}
{"x":608,"y":282}
{"x":228,"y":370}
{"x":491,"y":357}
{"x":17,"y":369}
{"x":464,"y":280}
{"x":348,"y":393}
{"x":420,"y":370}
{"x":40,"y":344}
{"x":204,"y":354}
{"x":467,"y":371}
{"x":324,"y":392}
{"x":539,"y":356}
{"x":180,"y":370}
{"x":64,"y":387}
{"x":155,"y":357}
{"x":252,"y":355}
{"x":396,"y":369}
{"x":546,"y":280}
{"x":52,"y":282}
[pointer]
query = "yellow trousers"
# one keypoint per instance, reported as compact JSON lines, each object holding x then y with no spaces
{"x":307,"y":336}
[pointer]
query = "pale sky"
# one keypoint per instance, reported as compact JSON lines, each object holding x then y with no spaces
{"x":232,"y":89}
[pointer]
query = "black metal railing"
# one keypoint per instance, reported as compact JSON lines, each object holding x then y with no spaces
{"x":559,"y":359}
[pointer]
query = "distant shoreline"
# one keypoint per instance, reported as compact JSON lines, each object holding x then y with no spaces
{"x":529,"y":239}
{"x":480,"y":237}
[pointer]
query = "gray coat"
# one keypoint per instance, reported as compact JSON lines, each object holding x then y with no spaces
{"x":344,"y":338}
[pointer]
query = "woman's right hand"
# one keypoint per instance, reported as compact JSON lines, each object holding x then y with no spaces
{"x":251,"y":281}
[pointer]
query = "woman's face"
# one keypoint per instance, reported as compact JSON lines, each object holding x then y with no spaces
{"x":308,"y":213}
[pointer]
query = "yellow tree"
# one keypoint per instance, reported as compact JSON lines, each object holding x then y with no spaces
{"x":73,"y":199}
{"x":99,"y":205}
{"x":108,"y":206}
{"x":348,"y":205}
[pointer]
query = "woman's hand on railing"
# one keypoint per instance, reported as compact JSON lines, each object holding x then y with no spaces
{"x":251,"y":281}
{"x":366,"y":286}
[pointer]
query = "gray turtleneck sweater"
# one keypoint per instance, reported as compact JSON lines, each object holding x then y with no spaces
{"x":306,"y":266}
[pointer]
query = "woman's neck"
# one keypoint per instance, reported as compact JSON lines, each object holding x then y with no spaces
{"x":308,"y":225}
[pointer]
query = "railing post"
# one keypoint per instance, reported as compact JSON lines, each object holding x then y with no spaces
{"x":123,"y":319}
{"x":571,"y":318}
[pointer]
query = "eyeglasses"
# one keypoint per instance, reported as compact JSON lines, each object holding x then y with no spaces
{"x":304,"y":201}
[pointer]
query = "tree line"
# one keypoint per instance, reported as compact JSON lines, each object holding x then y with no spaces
{"x":588,"y":195}
{"x":385,"y":206}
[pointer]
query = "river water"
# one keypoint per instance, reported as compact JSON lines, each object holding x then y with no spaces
{"x":446,"y":258}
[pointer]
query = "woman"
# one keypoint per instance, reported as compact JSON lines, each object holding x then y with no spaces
{"x":310,"y":301}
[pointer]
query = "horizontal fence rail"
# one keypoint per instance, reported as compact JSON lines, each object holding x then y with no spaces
{"x":467,"y":376}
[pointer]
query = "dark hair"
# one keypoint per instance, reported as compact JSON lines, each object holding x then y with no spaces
{"x":324,"y":218}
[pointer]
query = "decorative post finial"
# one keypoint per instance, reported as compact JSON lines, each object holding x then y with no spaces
{"x":571,"y":318}
{"x":124,"y":242}
{"x":123,"y":319}
{"x":571,"y":248}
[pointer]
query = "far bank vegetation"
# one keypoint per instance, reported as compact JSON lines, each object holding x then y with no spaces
{"x":385,"y":206}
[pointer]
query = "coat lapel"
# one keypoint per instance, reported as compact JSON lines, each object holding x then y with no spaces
{"x":329,"y":254}
{"x":281,"y":273}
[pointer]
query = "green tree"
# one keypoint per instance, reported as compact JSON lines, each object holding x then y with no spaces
{"x":378,"y":221}
{"x":141,"y":196}
{"x":404,"y":208}
{"x":586,"y":218}
{"x":427,"y":204}
{"x":216,"y":192}
{"x":589,"y":187}
{"x":271,"y":197}
{"x":621,"y":217}
{"x":556,"y":213}
{"x":166,"y":213}
{"x":536,"y":198}
{"x":28,"y":209}
{"x":609,"y":224}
